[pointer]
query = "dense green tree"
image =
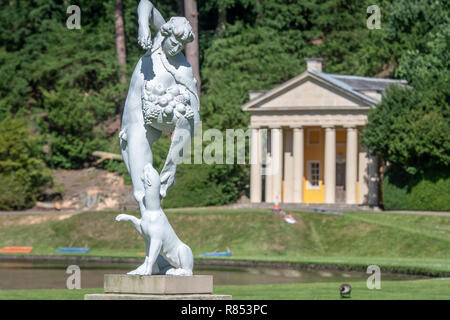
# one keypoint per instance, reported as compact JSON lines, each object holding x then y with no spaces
{"x":23,"y":174}
{"x":422,"y":30}
{"x":411,"y":127}
{"x":57,"y":73}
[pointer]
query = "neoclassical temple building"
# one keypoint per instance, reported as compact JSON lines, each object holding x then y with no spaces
{"x":306,"y":139}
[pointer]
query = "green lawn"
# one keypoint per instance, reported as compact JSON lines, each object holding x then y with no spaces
{"x":411,"y":243}
{"x":393,"y":290}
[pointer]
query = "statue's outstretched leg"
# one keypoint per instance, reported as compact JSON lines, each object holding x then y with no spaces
{"x":136,"y":139}
{"x":138,"y":154}
{"x":181,"y":141}
{"x":134,"y":221}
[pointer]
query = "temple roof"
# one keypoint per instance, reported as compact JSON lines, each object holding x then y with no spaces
{"x":365,"y":89}
{"x":364,"y":83}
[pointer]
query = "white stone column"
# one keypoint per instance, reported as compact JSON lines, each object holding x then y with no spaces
{"x":368,"y":177}
{"x":268,"y":184}
{"x":255,"y":167}
{"x":363,"y":175}
{"x":351,"y":167}
{"x":277,"y":162}
{"x":374,"y":180}
{"x":298,"y":151}
{"x":288,"y":166}
{"x":330,"y":164}
{"x":265,"y":138}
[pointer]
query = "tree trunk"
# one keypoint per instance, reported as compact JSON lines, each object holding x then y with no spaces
{"x":180,"y":7}
{"x":258,"y":9}
{"x":191,"y":13}
{"x":120,"y":40}
{"x":221,"y":20}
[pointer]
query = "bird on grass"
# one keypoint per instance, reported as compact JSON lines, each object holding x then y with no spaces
{"x":345,"y":290}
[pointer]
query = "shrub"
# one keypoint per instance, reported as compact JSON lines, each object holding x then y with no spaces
{"x":22,"y":173}
{"x":428,"y":191}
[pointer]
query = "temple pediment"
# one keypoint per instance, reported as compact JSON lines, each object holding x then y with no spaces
{"x":309,"y":91}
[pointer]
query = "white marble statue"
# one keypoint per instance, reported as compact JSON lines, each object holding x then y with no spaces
{"x":162,"y":97}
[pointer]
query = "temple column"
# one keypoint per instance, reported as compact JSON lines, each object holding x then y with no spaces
{"x":277,"y":162}
{"x":267,"y":152}
{"x":373,"y":173}
{"x":255,"y":167}
{"x":330,"y":164}
{"x":298,"y":151}
{"x":363,"y":175}
{"x":351,"y":165}
{"x":288,"y":166}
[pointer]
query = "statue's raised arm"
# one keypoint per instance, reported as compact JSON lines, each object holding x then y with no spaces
{"x":147,"y":13}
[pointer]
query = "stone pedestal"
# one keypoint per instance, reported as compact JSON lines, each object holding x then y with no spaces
{"x":130,"y":287}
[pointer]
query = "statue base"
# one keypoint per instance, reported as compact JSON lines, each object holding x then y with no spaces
{"x":157,"y":287}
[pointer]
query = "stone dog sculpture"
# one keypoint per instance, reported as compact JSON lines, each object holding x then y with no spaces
{"x":156,"y":230}
{"x":162,"y":97}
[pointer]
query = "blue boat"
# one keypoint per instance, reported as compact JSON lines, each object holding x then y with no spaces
{"x":216,"y":254}
{"x":73,"y":250}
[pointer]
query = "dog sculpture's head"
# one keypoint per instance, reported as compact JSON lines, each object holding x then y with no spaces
{"x":152,"y":184}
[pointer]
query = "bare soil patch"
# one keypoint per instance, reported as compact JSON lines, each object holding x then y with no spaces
{"x":91,"y":189}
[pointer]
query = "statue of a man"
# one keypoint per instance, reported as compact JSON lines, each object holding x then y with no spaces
{"x":162,"y":97}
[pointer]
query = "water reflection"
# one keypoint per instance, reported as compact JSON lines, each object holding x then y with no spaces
{"x":52,"y":275}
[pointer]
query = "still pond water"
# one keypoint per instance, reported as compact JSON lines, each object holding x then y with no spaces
{"x":52,"y":275}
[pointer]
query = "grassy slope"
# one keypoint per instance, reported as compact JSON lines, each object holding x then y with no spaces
{"x":393,"y":290}
{"x":414,"y":242}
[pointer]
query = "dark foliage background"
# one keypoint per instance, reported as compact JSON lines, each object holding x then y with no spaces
{"x":63,"y":84}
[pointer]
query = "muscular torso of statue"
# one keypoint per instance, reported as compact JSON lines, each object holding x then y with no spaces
{"x":148,"y":68}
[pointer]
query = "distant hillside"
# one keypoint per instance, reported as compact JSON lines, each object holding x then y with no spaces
{"x":412,"y":241}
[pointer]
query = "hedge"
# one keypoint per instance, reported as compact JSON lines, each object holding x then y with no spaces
{"x":429,"y":191}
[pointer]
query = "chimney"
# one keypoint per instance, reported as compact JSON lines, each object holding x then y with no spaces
{"x":314,"y":64}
